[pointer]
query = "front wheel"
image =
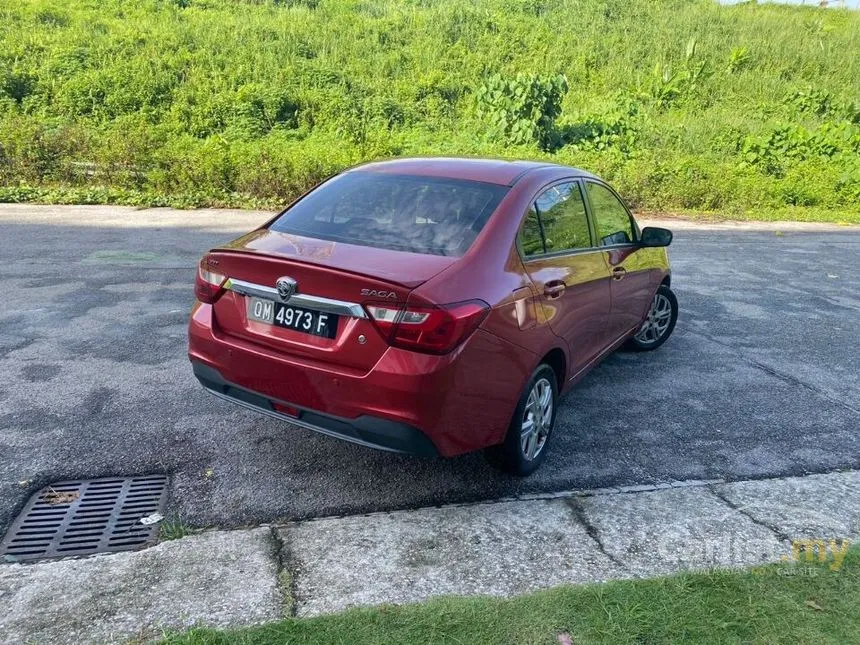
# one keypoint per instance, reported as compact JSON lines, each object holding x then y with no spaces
{"x":658,"y":326}
{"x":525,"y":445}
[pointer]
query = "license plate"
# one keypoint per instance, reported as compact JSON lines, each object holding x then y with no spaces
{"x":306,"y":321}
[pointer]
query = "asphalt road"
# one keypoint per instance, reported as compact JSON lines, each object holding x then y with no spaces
{"x":761,"y":377}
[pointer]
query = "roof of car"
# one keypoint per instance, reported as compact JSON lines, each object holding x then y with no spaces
{"x":494,"y":171}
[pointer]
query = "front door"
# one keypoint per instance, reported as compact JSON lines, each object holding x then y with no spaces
{"x":567,"y":270}
{"x":629,"y":265}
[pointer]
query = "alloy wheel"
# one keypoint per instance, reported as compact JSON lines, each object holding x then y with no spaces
{"x":657,"y":322}
{"x":537,"y":419}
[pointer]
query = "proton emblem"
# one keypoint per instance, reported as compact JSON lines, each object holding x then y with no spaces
{"x":286,"y":287}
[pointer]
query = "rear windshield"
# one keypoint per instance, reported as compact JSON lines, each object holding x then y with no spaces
{"x":400,"y":212}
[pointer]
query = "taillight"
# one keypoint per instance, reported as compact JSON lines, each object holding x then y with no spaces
{"x":207,"y":286}
{"x":428,"y":329}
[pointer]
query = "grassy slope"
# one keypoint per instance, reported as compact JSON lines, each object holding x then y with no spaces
{"x":765,"y":605}
{"x":687,"y":105}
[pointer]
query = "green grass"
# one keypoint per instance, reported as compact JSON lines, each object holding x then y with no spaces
{"x":749,"y":111}
{"x":173,"y":528}
{"x":803,"y":603}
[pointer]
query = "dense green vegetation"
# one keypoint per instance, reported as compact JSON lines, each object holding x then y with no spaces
{"x":800,"y":603}
{"x":749,"y":110}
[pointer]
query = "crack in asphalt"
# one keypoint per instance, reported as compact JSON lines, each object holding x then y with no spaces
{"x":788,"y":378}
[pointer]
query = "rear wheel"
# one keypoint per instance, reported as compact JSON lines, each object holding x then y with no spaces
{"x":658,"y":326}
{"x":525,"y":445}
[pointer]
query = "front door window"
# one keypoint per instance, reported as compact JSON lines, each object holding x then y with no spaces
{"x":611,"y":219}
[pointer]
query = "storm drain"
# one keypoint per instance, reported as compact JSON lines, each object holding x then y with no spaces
{"x":84,"y":517}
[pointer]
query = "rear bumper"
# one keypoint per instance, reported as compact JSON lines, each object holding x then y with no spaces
{"x":364,"y":430}
{"x":459,"y":402}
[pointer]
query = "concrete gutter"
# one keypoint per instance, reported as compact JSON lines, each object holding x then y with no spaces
{"x":245,"y":577}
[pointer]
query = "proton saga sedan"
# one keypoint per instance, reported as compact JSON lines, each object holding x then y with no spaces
{"x":431,"y":306}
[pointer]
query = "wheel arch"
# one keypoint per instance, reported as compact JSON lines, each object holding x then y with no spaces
{"x":557,"y":360}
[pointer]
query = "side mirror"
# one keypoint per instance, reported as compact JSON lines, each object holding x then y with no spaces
{"x":654,"y":236}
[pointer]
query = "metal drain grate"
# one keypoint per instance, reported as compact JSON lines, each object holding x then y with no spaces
{"x":83,"y":517}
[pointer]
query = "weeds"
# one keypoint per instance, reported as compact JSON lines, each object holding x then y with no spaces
{"x":173,"y":528}
{"x":684,"y":105}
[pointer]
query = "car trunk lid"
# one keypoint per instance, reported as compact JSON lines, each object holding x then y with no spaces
{"x":332,"y":278}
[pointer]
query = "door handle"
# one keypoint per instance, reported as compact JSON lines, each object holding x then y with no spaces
{"x":553,"y":289}
{"x":618,"y":273}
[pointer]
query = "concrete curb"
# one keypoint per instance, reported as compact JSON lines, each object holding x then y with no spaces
{"x":243,"y":577}
{"x":681,"y":223}
{"x":217,"y":578}
{"x":235,"y":219}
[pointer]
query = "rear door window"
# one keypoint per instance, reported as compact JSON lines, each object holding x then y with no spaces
{"x":563,"y":219}
{"x":432,"y":215}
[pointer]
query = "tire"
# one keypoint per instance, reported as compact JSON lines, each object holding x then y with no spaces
{"x":653,"y":333}
{"x":512,"y":455}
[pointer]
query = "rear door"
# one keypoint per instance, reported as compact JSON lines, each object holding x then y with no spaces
{"x":570,"y":275}
{"x":617,"y":236}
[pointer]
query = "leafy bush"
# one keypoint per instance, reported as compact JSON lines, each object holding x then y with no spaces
{"x":521,"y":109}
{"x":615,"y":126}
{"x":811,"y":101}
{"x":787,"y":144}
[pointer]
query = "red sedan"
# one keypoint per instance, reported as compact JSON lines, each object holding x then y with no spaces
{"x":431,"y":306}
